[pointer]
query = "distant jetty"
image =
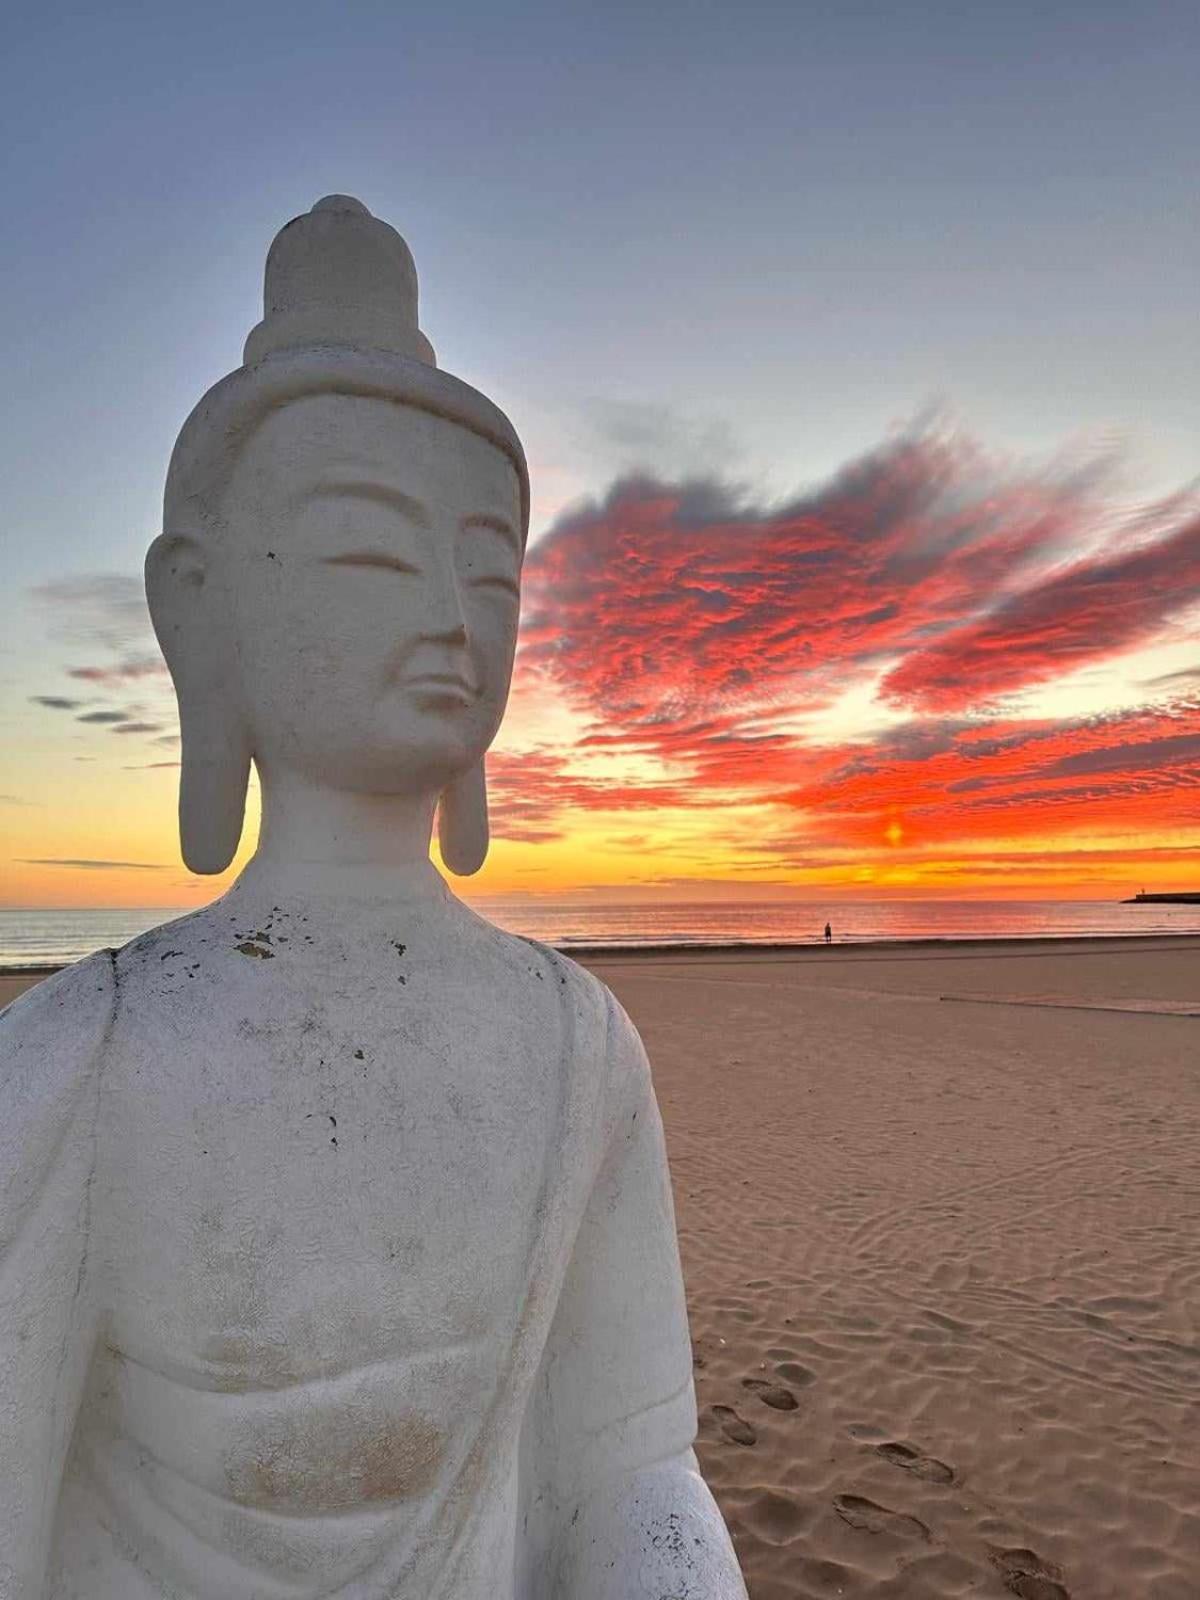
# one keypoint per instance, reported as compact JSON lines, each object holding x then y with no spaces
{"x":1182,"y":897}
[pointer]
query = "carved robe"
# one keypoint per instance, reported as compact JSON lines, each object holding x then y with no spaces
{"x":330,"y":1264}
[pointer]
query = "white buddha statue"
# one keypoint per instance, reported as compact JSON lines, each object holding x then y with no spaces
{"x":336,"y":1245}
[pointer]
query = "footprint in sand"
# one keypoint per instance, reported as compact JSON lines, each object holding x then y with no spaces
{"x":771,"y":1394}
{"x":872,"y":1518}
{"x":793,"y":1372}
{"x":736,"y":1429}
{"x":866,"y":1432}
{"x":776,"y":1518}
{"x":916,"y":1462}
{"x":1028,"y":1576}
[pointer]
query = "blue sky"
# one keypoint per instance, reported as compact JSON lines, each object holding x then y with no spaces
{"x":768,"y":229}
{"x":744,"y":239}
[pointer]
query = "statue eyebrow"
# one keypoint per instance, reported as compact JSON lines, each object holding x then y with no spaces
{"x":370,"y":558}
{"x":498,"y":524}
{"x":415,"y":510}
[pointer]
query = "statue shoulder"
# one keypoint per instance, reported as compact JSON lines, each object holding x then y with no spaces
{"x":59,"y":1024}
{"x":599,"y":1018}
{"x":52,"y":1042}
{"x":587,"y":1000}
{"x":180,"y":976}
{"x":181,"y":938}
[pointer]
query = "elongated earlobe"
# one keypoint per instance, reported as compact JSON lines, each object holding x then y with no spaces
{"x":213,"y":777}
{"x":463,"y":822}
{"x":215,"y":770}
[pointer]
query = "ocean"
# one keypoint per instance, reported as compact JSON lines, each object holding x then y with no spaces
{"x":53,"y":938}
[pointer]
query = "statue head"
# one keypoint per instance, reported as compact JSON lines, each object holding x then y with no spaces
{"x":336,"y":586}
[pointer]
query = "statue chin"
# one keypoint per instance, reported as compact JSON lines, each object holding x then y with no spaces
{"x":404,"y":762}
{"x":336,"y":1236}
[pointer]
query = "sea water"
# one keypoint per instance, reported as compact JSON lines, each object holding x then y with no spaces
{"x":52,"y":938}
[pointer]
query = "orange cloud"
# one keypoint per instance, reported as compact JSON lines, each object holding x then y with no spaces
{"x":687,"y":657}
{"x":693,"y":633}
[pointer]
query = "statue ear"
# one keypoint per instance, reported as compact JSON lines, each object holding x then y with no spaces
{"x":216,"y":749}
{"x":463,"y":821}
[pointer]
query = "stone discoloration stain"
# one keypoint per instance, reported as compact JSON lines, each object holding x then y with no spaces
{"x":241,"y":1363}
{"x":323,"y":1463}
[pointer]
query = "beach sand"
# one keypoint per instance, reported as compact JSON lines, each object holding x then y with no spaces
{"x":959,"y":1238}
{"x":938,"y":1212}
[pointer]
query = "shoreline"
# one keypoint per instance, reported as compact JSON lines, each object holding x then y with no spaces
{"x":816,"y":949}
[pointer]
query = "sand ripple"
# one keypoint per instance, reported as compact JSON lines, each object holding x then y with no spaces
{"x":942,"y":1270}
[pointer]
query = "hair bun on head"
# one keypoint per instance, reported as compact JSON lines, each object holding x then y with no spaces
{"x":339,"y":317}
{"x":337,"y":275}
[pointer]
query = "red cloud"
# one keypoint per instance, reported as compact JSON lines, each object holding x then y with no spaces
{"x":123,"y":671}
{"x":1096,"y":608}
{"x":690,"y":629}
{"x":1126,"y":773}
{"x":528,"y":792}
{"x":665,"y":603}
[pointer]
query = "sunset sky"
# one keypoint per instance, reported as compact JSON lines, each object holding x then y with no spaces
{"x":855,"y":353}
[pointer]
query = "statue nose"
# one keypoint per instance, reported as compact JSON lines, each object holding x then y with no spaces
{"x":449,"y":633}
{"x":445,"y":619}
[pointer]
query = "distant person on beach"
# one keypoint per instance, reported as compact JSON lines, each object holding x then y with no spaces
{"x":828,"y":934}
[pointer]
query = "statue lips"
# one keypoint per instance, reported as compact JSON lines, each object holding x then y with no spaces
{"x":440,"y":689}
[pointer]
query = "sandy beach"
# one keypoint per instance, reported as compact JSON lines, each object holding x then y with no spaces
{"x":938,"y":1211}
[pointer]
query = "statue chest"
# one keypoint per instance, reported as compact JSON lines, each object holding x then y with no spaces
{"x":315,"y":1186}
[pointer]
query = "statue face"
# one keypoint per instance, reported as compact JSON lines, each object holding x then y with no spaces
{"x":370,"y":573}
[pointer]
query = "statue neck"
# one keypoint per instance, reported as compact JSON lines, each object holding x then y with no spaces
{"x":333,"y":842}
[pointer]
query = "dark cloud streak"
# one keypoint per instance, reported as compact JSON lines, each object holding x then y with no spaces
{"x":92,"y":866}
{"x":56,"y":702}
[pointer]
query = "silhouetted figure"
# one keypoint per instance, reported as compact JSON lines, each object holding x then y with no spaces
{"x":828,"y":934}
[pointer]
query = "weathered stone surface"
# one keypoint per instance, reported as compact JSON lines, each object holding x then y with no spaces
{"x":336,"y":1246}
